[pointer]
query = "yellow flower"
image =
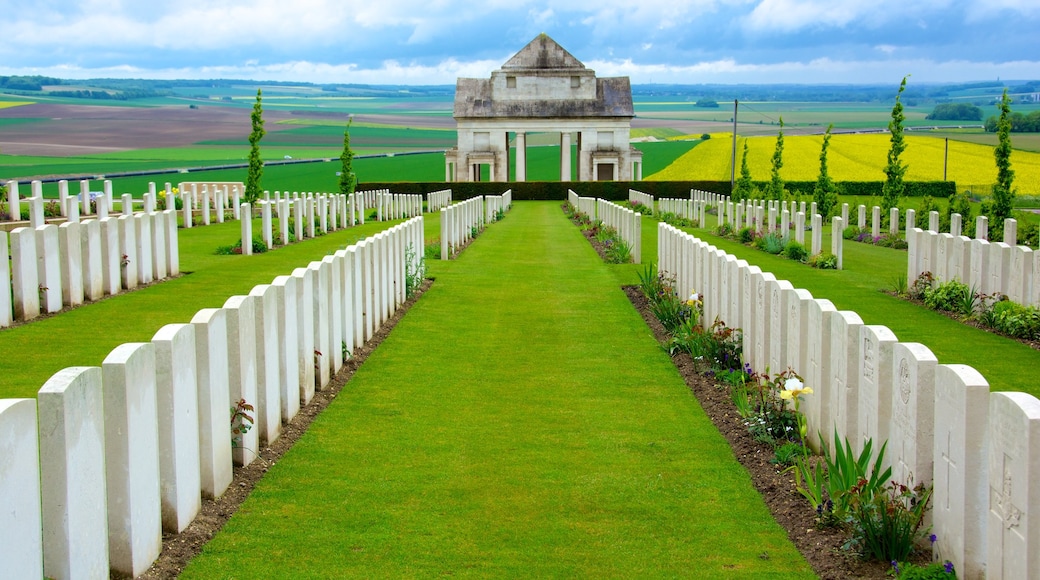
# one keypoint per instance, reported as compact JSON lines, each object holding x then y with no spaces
{"x":794,"y":388}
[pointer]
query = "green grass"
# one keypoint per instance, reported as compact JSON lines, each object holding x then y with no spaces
{"x":520,"y":421}
{"x":361,"y":136}
{"x":85,"y":335}
{"x":1006,"y":364}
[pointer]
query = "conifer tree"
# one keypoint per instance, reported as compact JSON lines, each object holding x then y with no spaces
{"x":776,"y":184}
{"x":742,"y":189}
{"x":894,"y":188}
{"x":1003,"y":194}
{"x":256,"y":164}
{"x":825,"y":194}
{"x":346,"y":174}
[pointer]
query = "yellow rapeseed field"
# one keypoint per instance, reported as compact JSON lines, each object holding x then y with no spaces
{"x":854,"y":158}
{"x":9,"y":104}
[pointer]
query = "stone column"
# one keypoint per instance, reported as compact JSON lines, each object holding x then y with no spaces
{"x":565,"y":156}
{"x":521,"y":156}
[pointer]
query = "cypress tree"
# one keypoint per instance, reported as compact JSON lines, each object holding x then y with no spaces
{"x":346,"y":174}
{"x":825,"y":194}
{"x":1003,"y":194}
{"x":776,"y":185}
{"x":894,"y":188}
{"x":256,"y":164}
{"x":743,"y":186}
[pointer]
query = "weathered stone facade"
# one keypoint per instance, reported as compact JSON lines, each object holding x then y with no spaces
{"x":544,"y":89}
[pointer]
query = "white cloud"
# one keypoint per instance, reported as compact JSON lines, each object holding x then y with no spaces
{"x":794,"y":15}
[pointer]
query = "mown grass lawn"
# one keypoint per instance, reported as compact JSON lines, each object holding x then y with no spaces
{"x":520,"y":421}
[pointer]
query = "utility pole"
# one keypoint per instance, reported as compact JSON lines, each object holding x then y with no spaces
{"x":733,"y":160}
{"x":946,"y":158}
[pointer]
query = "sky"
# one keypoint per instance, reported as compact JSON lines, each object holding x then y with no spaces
{"x":423,"y":42}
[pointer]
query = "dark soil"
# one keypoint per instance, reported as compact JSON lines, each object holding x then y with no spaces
{"x":179,"y":549}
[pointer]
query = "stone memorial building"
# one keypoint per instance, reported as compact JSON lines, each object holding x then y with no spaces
{"x":544,"y":89}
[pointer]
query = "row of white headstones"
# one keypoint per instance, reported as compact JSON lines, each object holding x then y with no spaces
{"x":48,"y":267}
{"x":980,"y":450}
{"x":107,"y":458}
{"x":627,"y":223}
{"x":460,"y":221}
{"x":986,"y":267}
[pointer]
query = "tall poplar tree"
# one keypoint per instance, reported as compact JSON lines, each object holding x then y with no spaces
{"x":346,"y":174}
{"x":894,"y":188}
{"x":742,"y":189}
{"x":776,"y":184}
{"x":1003,"y":194}
{"x":256,"y":164}
{"x":825,"y":194}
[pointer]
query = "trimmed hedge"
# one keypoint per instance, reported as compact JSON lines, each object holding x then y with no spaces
{"x":618,"y":190}
{"x":550,"y":190}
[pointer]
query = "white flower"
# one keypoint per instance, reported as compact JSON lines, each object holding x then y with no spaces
{"x":793,"y":388}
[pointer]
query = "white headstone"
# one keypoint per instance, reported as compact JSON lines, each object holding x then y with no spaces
{"x":838,"y":239}
{"x":143,"y":238}
{"x":72,"y":474}
{"x":816,"y":334}
{"x":268,"y":363}
{"x":111,"y":256}
{"x":875,"y":386}
{"x":178,"y":403}
{"x":266,"y":224}
{"x":1012,"y":543}
{"x":71,"y":254}
{"x":778,"y":293}
{"x":90,"y":259}
{"x":132,"y":458}
{"x":289,"y":369}
{"x":173,"y":254}
{"x":25,"y":275}
{"x":913,"y":410}
{"x":247,"y":230}
{"x":959,"y":498}
{"x":357,"y":298}
{"x":242,"y":372}
{"x":6,"y":313}
{"x":322,"y":281}
{"x":211,"y":377}
{"x":305,"y":331}
{"x":128,"y":249}
{"x":14,"y":208}
{"x":21,"y":537}
{"x":979,"y":273}
{"x":49,"y":267}
{"x":335,"y":266}
{"x":1011,"y":232}
{"x":841,"y":357}
{"x":160,"y":252}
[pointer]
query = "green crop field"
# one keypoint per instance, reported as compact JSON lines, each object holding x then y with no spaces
{"x":855,"y":158}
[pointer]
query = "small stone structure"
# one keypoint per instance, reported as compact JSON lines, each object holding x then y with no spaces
{"x":544,"y":89}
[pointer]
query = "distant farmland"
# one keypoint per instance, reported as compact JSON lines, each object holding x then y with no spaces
{"x":854,"y":158}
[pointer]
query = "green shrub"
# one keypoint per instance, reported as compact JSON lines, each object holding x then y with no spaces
{"x":824,"y":261}
{"x":795,"y":251}
{"x":772,"y":243}
{"x":947,"y":296}
{"x":746,"y":235}
{"x":1015,"y":320}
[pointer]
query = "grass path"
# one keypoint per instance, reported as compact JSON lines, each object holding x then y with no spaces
{"x":1006,"y":363}
{"x":520,"y":421}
